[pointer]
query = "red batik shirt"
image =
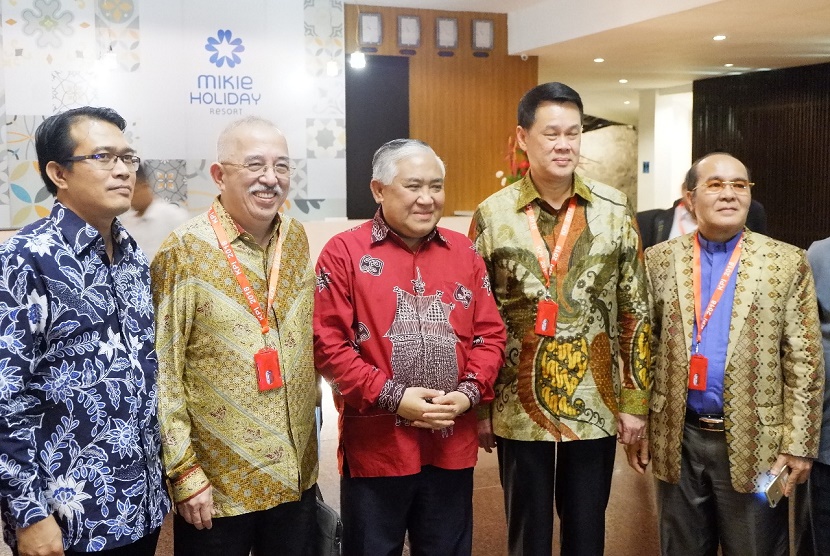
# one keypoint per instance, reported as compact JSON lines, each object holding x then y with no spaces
{"x":387,"y":318}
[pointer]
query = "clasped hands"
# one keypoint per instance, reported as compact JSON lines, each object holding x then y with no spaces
{"x":432,"y":409}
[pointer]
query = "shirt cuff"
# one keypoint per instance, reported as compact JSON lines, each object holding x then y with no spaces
{"x":189,"y":484}
{"x":28,"y":514}
{"x":470,"y":390}
{"x":634,"y":402}
{"x":391,"y":395}
{"x":484,"y":411}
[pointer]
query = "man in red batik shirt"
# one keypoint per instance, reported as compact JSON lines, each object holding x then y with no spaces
{"x":407,"y":333}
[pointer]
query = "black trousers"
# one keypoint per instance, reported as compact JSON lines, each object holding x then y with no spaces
{"x":576,"y":475}
{"x":145,"y":546}
{"x":435,"y":506}
{"x":820,"y":506}
{"x":285,"y":530}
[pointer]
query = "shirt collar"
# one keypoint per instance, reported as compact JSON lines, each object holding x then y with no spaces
{"x":233,"y":229}
{"x":718,"y":246}
{"x":528,"y":192}
{"x":380,"y":230}
{"x":81,"y":235}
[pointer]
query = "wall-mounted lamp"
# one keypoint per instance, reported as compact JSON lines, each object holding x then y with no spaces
{"x":108,"y":60}
{"x":332,"y":69}
{"x":357,"y":60}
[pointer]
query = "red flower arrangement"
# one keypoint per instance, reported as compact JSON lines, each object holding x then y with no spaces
{"x":517,"y":163}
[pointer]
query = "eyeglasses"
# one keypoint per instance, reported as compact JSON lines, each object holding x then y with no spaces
{"x":106,"y":161}
{"x":715,"y":186}
{"x":280,"y":168}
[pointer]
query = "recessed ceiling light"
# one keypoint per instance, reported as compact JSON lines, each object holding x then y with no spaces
{"x":623,"y":81}
{"x":719,"y":38}
{"x":599,"y":60}
{"x":728,"y":65}
{"x":627,"y":102}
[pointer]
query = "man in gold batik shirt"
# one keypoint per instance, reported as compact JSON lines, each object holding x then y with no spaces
{"x":239,"y":448}
{"x":561,"y":400}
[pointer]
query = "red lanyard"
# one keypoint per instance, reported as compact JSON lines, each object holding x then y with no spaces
{"x":701,"y":320}
{"x":539,"y":243}
{"x":236,"y":268}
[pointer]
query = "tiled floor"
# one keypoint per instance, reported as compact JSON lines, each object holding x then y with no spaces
{"x":631,"y":518}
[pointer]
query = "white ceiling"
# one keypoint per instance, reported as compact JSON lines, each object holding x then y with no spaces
{"x":667,"y":52}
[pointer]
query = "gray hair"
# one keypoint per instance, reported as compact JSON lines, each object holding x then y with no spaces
{"x":224,"y":144}
{"x":385,"y":161}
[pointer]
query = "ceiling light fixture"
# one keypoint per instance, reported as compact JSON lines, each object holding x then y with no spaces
{"x":719,"y":38}
{"x":627,"y":102}
{"x":599,"y":60}
{"x":357,"y":60}
{"x":623,"y":81}
{"x":728,"y":65}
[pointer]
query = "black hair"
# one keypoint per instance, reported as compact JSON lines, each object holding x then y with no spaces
{"x":546,"y":92}
{"x":53,"y":138}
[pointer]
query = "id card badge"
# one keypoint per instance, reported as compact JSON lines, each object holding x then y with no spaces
{"x":698,"y":366}
{"x":267,"y":369}
{"x":546,"y":313}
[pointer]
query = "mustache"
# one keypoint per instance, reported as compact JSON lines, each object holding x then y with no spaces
{"x":258,"y":188}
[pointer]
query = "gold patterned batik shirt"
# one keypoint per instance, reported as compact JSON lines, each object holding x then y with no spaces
{"x":567,"y":387}
{"x":257,"y":449}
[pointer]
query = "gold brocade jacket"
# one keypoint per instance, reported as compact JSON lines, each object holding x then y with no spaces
{"x":257,"y":449}
{"x":774,"y":377}
{"x":569,"y":387}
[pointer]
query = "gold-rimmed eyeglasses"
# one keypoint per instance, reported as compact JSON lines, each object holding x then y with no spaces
{"x":715,"y":186}
{"x":106,"y":161}
{"x":280,"y":168}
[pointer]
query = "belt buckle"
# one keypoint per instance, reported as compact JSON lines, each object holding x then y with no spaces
{"x":711,"y":424}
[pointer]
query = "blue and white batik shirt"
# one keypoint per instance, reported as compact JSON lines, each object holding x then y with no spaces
{"x":79,"y":437}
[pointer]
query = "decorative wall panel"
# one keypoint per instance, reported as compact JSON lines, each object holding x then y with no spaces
{"x":778,"y":124}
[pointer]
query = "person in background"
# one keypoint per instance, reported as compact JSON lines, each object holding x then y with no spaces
{"x":233,"y":290}
{"x":152,"y":218}
{"x":564,"y":260}
{"x":819,"y":484}
{"x":737,"y":374}
{"x":407,"y":333}
{"x":658,"y":225}
{"x":80,"y":464}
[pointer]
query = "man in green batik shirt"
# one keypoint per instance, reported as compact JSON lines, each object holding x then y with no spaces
{"x":565,"y":264}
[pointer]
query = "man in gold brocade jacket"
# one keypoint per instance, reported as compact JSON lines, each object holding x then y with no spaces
{"x":738,"y":375}
{"x":234,"y":290}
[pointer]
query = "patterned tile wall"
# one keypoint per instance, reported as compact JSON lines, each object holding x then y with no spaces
{"x":61,"y":54}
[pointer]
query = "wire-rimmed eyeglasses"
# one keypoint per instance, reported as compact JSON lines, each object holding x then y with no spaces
{"x":280,"y":168}
{"x":106,"y":161}
{"x":715,"y":186}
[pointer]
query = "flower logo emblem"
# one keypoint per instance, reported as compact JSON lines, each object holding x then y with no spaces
{"x":224,"y":48}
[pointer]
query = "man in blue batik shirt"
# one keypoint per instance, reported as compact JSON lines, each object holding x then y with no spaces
{"x":80,"y":463}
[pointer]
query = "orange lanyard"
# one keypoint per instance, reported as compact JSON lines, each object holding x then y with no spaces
{"x":236,"y":268}
{"x":701,"y":320}
{"x":548,"y":268}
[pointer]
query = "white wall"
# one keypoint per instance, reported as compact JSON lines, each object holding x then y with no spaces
{"x":665,"y":133}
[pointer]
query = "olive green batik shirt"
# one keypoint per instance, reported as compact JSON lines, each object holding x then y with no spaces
{"x":567,"y":387}
{"x":256,"y":449}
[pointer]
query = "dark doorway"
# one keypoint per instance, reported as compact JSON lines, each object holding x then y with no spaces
{"x":377,"y":111}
